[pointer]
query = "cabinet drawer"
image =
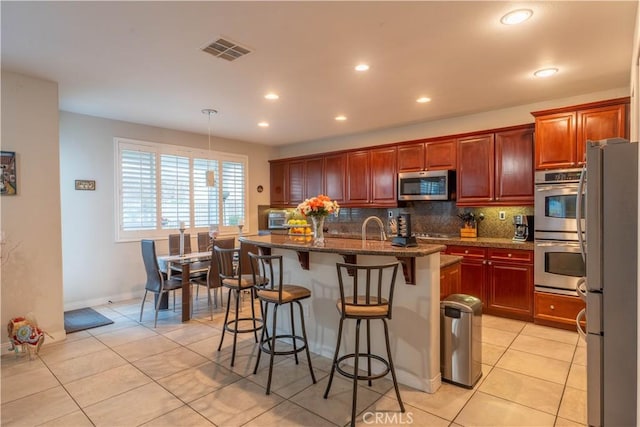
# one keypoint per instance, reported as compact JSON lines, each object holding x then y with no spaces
{"x":517,"y":255}
{"x":556,"y":310}
{"x":467,"y":251}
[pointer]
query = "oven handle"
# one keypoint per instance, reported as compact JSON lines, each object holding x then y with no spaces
{"x":555,"y":187}
{"x":579,"y":317}
{"x":581,"y":288}
{"x":547,"y":244}
{"x":581,"y":240}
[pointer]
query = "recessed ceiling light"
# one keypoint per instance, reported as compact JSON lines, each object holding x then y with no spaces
{"x":263,"y":124}
{"x":545,"y":72}
{"x":423,"y":99}
{"x":516,"y":16}
{"x":271,"y":96}
{"x":362,"y":67}
{"x":341,"y":118}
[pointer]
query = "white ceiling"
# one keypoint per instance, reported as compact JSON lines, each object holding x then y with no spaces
{"x":142,"y":61}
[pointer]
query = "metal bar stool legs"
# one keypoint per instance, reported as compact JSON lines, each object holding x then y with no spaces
{"x":272,"y":290}
{"x":233,"y":325}
{"x":365,"y":300}
{"x":268,"y":341}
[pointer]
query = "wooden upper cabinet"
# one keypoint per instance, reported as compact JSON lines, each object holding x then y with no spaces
{"x":514,"y":182}
{"x":556,"y":141}
{"x":278,"y":188}
{"x":313,"y":177}
{"x":561,"y":134}
{"x":296,"y":182}
{"x":496,"y":169}
{"x":475,"y":170}
{"x":599,"y":123}
{"x":383,"y":176}
{"x":358,"y":178}
{"x":334,"y":176}
{"x":411,"y":157}
{"x":434,"y":155}
{"x":440,"y":155}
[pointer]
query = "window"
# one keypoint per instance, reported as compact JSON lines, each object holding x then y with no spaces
{"x":160,"y":186}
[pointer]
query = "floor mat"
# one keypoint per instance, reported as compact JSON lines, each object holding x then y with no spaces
{"x":84,"y":318}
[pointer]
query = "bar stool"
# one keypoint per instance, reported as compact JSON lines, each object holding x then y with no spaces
{"x":364,"y":299}
{"x":273,"y":291}
{"x":229,"y":268}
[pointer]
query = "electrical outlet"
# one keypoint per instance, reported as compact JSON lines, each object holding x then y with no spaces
{"x":502,"y":215}
{"x":305,"y":309}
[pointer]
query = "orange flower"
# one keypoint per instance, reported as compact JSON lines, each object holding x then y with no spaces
{"x":320,"y":205}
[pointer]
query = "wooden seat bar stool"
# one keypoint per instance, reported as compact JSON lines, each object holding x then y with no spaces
{"x":366,"y":293}
{"x":273,"y":292}
{"x":230,"y":268}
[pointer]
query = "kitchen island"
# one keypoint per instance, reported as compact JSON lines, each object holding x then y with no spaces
{"x":415,"y":327}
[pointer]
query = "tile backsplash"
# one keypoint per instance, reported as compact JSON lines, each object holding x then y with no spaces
{"x":426,"y":217}
{"x":432,"y":217}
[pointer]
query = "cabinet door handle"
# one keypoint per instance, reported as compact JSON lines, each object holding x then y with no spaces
{"x":552,"y":307}
{"x":509,"y":255}
{"x":484,"y":262}
{"x":489,"y":262}
{"x":466,"y":251}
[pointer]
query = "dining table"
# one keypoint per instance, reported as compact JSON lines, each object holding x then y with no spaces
{"x":184,"y":261}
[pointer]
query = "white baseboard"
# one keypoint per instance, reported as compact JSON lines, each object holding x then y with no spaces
{"x":102,"y":300}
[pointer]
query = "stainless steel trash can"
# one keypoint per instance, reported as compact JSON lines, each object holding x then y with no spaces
{"x":460,"y":339}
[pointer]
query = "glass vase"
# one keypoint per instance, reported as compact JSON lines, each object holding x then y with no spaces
{"x":317,"y":223}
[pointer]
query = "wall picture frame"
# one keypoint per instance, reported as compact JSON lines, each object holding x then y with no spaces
{"x":85,"y":184}
{"x":8,"y":173}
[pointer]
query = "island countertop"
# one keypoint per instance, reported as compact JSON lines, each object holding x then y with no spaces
{"x":341,"y":246}
{"x":415,"y":327}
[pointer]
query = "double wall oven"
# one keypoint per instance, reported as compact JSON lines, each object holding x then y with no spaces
{"x":558,"y":262}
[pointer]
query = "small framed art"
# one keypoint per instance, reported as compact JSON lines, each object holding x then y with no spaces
{"x":8,"y":173}
{"x":85,"y":184}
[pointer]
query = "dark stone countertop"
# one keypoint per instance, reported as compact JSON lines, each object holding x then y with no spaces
{"x":447,"y":260}
{"x":486,"y":242}
{"x":343,"y":246}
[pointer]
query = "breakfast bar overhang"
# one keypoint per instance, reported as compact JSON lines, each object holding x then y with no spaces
{"x":415,"y":327}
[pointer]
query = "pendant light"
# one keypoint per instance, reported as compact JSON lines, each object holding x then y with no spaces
{"x":211,"y":175}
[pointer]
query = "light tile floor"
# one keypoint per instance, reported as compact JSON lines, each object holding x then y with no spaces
{"x":130,"y":374}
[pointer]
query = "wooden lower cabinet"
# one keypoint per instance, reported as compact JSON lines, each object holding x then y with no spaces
{"x":472,"y":269}
{"x":501,"y":278}
{"x":556,"y":310}
{"x":510,"y":283}
{"x":450,"y":280}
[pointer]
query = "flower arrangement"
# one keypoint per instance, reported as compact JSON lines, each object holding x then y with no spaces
{"x":320,"y":205}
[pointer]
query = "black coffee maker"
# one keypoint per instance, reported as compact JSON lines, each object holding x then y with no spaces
{"x":404,"y":237}
{"x":522,"y":228}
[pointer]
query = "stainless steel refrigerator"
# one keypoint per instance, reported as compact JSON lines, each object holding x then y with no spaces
{"x":611,"y":283}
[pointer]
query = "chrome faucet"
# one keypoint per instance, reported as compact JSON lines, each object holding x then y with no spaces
{"x":383,"y":236}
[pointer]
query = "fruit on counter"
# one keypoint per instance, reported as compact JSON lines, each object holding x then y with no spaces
{"x":300,"y":230}
{"x":297,"y":222}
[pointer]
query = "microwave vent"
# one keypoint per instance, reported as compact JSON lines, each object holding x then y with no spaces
{"x":226,"y":49}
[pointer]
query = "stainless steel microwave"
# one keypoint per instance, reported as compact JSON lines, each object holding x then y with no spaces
{"x":427,"y":185}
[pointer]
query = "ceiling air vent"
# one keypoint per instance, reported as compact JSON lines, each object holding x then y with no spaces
{"x":226,"y":49}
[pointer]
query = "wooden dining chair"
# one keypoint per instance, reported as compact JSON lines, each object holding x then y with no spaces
{"x":212,"y":279}
{"x":204,"y":242}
